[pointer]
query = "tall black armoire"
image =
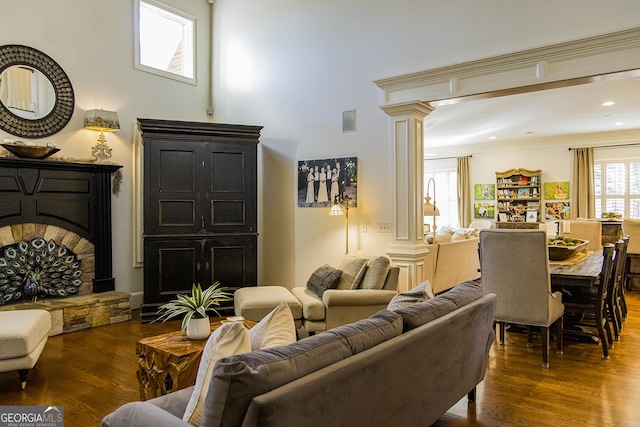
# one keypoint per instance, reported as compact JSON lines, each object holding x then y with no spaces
{"x":200,"y":208}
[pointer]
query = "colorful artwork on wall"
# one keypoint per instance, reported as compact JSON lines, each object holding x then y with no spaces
{"x":484,"y":210}
{"x":557,"y":210}
{"x":556,"y":190}
{"x":484,"y":191}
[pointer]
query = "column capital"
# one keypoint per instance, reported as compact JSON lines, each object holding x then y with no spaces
{"x":416,"y":108}
{"x":408,"y":251}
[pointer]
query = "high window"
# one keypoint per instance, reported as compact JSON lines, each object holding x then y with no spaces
{"x":165,"y":41}
{"x":617,"y":186}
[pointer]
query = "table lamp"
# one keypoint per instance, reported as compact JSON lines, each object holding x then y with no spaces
{"x":103,"y":121}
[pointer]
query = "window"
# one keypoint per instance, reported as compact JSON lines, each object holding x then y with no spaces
{"x":617,"y":186}
{"x":165,"y":41}
{"x":445,"y":176}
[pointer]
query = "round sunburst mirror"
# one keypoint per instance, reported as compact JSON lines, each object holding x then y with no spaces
{"x":36,"y":96}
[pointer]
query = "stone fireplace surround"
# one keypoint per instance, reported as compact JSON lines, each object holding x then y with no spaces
{"x":86,"y":310}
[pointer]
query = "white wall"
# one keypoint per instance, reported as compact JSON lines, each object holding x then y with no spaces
{"x":293,"y":67}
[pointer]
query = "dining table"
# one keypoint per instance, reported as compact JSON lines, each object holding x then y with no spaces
{"x":581,"y":270}
{"x":568,"y":276}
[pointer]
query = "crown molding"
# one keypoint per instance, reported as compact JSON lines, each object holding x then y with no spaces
{"x":563,"y":64}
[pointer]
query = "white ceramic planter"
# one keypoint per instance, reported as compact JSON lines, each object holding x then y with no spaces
{"x":198,"y":329}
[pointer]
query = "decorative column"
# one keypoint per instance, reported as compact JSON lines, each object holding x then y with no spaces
{"x":408,"y":248}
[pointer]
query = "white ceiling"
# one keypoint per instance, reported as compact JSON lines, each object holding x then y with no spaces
{"x":553,"y":112}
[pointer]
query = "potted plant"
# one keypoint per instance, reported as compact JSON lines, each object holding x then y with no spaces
{"x":194,"y":307}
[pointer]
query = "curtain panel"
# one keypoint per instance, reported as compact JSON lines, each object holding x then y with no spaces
{"x":464,"y":192}
{"x":584,"y":196}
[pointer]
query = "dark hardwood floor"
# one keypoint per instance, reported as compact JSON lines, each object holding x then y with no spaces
{"x":90,"y":373}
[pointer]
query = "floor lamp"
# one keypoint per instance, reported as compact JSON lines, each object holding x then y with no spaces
{"x":430,"y":209}
{"x":336,"y":210}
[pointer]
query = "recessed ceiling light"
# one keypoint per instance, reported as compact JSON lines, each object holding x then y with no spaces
{"x":619,"y":123}
{"x":492,"y":137}
{"x":608,"y":103}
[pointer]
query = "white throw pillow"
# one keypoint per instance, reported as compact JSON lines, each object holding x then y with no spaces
{"x":276,"y":329}
{"x":420,"y":293}
{"x":229,"y":339}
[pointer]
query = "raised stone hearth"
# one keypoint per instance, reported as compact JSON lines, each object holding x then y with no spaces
{"x":81,"y":312}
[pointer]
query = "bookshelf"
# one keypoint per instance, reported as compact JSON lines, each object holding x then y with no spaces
{"x":518,"y":193}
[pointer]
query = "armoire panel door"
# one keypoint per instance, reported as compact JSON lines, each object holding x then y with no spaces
{"x":231,"y":188}
{"x":174,"y":200}
{"x":171,"y":268}
{"x":232,"y":261}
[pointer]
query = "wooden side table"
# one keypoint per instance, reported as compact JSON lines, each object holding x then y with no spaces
{"x":518,"y":225}
{"x":170,"y":361}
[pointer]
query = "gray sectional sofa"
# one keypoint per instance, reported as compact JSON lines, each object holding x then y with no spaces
{"x":395,"y":368}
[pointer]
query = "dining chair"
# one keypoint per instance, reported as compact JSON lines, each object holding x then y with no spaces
{"x":592,"y":303}
{"x":614,"y":292}
{"x":621,"y":287}
{"x":514,"y":264}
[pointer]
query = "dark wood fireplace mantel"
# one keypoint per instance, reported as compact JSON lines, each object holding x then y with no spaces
{"x":72,"y":195}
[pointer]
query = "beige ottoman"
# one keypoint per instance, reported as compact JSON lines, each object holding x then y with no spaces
{"x":255,"y":302}
{"x":23,"y":334}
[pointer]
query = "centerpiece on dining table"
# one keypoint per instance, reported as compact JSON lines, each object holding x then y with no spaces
{"x":563,"y":247}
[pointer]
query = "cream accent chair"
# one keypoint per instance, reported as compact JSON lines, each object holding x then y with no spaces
{"x":481,"y":224}
{"x":514,"y":265}
{"x":338,"y":307}
{"x":450,"y":263}
{"x":631,"y":228}
{"x":590,"y":230}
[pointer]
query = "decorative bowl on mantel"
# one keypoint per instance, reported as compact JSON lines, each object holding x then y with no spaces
{"x":563,"y":252}
{"x":30,"y":151}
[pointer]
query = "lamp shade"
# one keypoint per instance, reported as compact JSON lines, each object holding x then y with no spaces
{"x":101,"y":120}
{"x":336,"y":210}
{"x":429,"y":209}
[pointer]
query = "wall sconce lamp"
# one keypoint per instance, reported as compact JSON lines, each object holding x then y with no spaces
{"x":430,"y":209}
{"x":336,"y":210}
{"x":103,"y":121}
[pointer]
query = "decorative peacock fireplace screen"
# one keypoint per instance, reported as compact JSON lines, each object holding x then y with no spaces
{"x":38,"y":268}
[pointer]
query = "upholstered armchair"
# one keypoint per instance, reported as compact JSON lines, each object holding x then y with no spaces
{"x":514,"y":265}
{"x":366,"y":287}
